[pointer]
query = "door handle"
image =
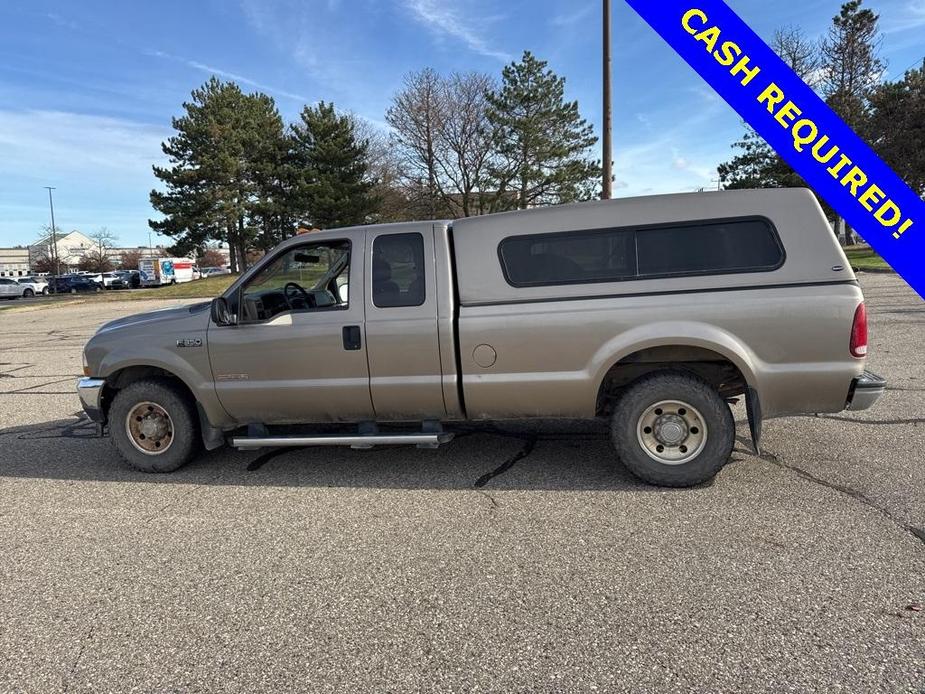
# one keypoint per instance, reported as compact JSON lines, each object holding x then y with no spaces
{"x":352,"y":339}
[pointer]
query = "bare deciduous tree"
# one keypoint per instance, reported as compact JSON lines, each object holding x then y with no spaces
{"x":416,"y":117}
{"x":801,"y":53}
{"x":465,"y":147}
{"x":442,"y":133}
{"x":99,"y":258}
{"x":129,"y":259}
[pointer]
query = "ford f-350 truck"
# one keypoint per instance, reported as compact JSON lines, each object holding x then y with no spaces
{"x":654,"y":312}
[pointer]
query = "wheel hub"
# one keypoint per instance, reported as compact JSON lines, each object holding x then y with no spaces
{"x":149,"y":428}
{"x":671,"y":432}
{"x":670,"y":429}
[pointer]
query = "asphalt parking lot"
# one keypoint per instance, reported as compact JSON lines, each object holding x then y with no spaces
{"x":519,"y":558}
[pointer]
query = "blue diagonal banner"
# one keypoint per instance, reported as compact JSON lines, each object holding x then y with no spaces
{"x":799,"y":125}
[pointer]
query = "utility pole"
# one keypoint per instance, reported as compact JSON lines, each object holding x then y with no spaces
{"x":607,"y":140}
{"x":54,"y":235}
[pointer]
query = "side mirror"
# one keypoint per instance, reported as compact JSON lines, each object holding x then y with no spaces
{"x":221,"y":314}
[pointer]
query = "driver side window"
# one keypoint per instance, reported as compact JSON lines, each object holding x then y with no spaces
{"x":313,"y":277}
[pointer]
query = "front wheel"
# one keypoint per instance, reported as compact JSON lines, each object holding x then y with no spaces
{"x":673,"y":430}
{"x":154,"y":426}
{"x":28,"y":294}
{"x":45,"y":291}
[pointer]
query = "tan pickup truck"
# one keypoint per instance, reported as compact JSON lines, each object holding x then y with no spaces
{"x":654,"y":312}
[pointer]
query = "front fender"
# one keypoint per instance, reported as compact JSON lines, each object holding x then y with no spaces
{"x":194,"y":372}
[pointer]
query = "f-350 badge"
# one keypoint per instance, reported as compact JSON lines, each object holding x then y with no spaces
{"x":189,"y":342}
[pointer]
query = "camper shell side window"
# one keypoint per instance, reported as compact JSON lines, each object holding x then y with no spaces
{"x":708,"y":247}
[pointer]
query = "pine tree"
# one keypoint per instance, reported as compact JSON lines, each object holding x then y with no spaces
{"x":225,"y":142}
{"x":898,"y":119}
{"x":332,"y":184}
{"x":852,"y":69}
{"x":541,"y":139}
{"x":756,"y":164}
{"x":852,"y":66}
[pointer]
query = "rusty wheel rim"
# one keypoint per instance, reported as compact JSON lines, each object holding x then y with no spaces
{"x":149,"y":428}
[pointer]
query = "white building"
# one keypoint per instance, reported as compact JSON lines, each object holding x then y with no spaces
{"x":14,"y":262}
{"x":70,"y":248}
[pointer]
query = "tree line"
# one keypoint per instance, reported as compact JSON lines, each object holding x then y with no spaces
{"x":844,"y":66}
{"x":459,"y":145}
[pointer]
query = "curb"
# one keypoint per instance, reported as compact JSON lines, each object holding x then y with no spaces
{"x":876,"y":270}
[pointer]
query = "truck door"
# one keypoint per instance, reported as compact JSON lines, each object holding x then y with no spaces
{"x":401,"y":324}
{"x":298,"y":353}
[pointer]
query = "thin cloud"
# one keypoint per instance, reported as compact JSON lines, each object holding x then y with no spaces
{"x":565,"y":20}
{"x":912,"y":17}
{"x":447,"y":21}
{"x":196,"y":65}
{"x":57,"y":143}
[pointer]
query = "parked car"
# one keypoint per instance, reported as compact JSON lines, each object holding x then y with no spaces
{"x":92,"y":276}
{"x":113,"y":280}
{"x":11,"y":289}
{"x":33,"y":286}
{"x":132,"y":278}
{"x":72,"y":284}
{"x":214,"y":271}
{"x":653,"y":313}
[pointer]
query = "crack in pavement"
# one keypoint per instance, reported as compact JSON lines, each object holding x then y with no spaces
{"x":491,"y":499}
{"x":854,"y":420}
{"x":83,"y":646}
{"x":27,"y":389}
{"x":527,"y":449}
{"x":917,"y":533}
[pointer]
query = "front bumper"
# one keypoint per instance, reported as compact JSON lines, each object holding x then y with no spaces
{"x":90,"y":391}
{"x":865,"y":390}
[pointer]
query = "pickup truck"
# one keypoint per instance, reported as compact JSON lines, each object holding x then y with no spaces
{"x":654,"y":312}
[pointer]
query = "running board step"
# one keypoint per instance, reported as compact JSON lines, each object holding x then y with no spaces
{"x":423,"y":440}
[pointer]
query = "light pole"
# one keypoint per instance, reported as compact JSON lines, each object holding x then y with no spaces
{"x":54,"y":234}
{"x":607,"y":139}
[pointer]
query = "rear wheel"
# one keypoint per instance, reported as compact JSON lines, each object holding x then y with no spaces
{"x":673,"y":429}
{"x":154,"y":426}
{"x":45,"y":291}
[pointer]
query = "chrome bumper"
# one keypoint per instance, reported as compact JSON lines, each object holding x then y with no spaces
{"x":865,"y":390}
{"x":90,"y":391}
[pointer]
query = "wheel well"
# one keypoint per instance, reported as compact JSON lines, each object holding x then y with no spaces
{"x":711,"y":366}
{"x":125,"y":377}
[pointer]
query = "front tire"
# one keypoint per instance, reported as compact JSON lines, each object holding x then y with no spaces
{"x":28,"y":294}
{"x":154,"y":426}
{"x":673,"y":430}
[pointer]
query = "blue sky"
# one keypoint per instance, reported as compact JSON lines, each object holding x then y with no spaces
{"x":87,"y":89}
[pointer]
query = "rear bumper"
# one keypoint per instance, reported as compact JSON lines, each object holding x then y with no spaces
{"x":865,"y":390}
{"x":90,"y":391}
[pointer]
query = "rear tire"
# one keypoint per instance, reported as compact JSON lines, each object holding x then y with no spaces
{"x":673,"y":430}
{"x":140,"y":409}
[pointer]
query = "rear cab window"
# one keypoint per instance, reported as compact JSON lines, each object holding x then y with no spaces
{"x":398,"y":270}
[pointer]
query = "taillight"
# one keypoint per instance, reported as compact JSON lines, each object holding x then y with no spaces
{"x":858,"y":345}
